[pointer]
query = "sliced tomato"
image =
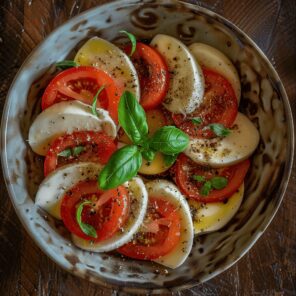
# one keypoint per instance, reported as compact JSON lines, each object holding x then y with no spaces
{"x":162,"y":238}
{"x":219,"y":106}
{"x":153,"y":75}
{"x":95,"y":147}
{"x":185,"y":169}
{"x":82,"y":83}
{"x":106,"y":217}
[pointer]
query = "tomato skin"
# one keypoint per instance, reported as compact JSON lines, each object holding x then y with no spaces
{"x":166,"y":238}
{"x":185,"y":168}
{"x":82,"y":83}
{"x":105,"y":146}
{"x":153,"y":74}
{"x":115,"y":211}
{"x":220,"y":106}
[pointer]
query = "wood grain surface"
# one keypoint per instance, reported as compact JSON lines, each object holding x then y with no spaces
{"x":268,"y":269}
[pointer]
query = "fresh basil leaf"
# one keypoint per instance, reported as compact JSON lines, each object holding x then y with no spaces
{"x":66,"y":64}
{"x":94,"y":104}
{"x":133,"y":40}
{"x":132,"y":118}
{"x":86,"y":228}
{"x":219,"y":129}
{"x":169,"y":140}
{"x":148,"y":154}
{"x":77,"y":150}
{"x":169,"y":159}
{"x":206,"y":188}
{"x":121,"y":167}
{"x":199,"y":178}
{"x":196,"y":120}
{"x":65,"y":153}
{"x":219,"y":182}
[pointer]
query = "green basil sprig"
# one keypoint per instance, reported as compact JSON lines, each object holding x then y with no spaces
{"x":66,"y":153}
{"x":219,"y":129}
{"x":169,"y":140}
{"x":121,"y":167}
{"x":132,"y":118}
{"x":206,"y":188}
{"x":133,"y":40}
{"x":199,"y":178}
{"x":196,"y":120}
{"x":148,"y":154}
{"x":125,"y":162}
{"x":86,"y":228}
{"x":169,"y":159}
{"x":219,"y":182}
{"x":213,"y":183}
{"x":75,"y":151}
{"x":66,"y":64}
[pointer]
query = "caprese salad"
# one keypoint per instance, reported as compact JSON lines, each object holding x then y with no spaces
{"x":143,"y":146}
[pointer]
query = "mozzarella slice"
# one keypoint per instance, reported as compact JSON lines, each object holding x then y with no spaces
{"x":215,"y":60}
{"x":56,"y":184}
{"x":219,"y":152}
{"x":106,"y":56}
{"x":67,"y":117}
{"x":138,"y":205}
{"x":213,"y":216}
{"x":186,"y":87}
{"x":168,"y":191}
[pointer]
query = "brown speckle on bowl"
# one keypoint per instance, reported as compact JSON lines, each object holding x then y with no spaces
{"x":78,"y":25}
{"x":72,"y":259}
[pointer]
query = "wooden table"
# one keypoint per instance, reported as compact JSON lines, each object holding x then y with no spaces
{"x":268,"y":269}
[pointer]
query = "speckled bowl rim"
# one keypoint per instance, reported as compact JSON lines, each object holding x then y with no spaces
{"x":283,"y":186}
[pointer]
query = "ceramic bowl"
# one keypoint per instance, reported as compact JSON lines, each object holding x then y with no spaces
{"x":263,"y":100}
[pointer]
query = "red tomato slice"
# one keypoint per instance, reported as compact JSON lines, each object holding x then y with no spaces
{"x":106,"y":219}
{"x":97,"y":147}
{"x":219,"y":106}
{"x":185,"y":169}
{"x":153,"y":75}
{"x":163,"y":239}
{"x":82,"y":83}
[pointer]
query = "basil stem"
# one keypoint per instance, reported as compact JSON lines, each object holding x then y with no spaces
{"x":133,"y":40}
{"x":66,"y":64}
{"x":86,"y":228}
{"x":94,"y":104}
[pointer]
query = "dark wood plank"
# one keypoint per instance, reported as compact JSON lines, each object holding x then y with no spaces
{"x":268,"y":269}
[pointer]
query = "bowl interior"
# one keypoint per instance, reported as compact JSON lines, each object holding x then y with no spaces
{"x":263,"y":101}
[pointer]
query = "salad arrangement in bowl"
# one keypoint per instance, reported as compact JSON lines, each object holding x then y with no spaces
{"x":143,"y":151}
{"x":148,"y":158}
